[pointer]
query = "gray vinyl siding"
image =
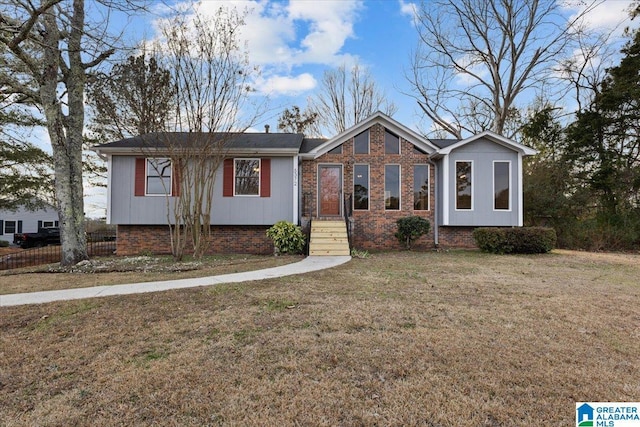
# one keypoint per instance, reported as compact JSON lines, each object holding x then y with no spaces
{"x":126,"y":208}
{"x":30,"y":220}
{"x":250,"y":210}
{"x":482,"y":153}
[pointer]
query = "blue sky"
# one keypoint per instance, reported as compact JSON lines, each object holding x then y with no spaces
{"x":294,"y":42}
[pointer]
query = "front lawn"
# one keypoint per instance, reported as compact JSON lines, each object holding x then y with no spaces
{"x":434,"y":339}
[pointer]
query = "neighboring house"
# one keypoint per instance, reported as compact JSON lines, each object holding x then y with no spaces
{"x":24,"y":220}
{"x":373,"y":174}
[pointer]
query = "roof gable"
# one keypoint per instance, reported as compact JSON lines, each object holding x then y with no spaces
{"x":378,"y":118}
{"x":491,"y":136}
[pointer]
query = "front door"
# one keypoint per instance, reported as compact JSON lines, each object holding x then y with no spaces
{"x":330,"y":190}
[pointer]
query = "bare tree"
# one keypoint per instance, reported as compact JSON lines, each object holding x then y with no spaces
{"x":346,"y":98}
{"x":48,"y":49}
{"x":587,"y":67}
{"x":476,"y":57}
{"x":210,"y":74}
{"x":295,"y":121}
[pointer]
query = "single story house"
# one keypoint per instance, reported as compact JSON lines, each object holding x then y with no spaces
{"x":26,"y":220}
{"x":367,"y":177}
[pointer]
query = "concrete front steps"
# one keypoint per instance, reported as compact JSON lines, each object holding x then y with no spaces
{"x":329,"y":238}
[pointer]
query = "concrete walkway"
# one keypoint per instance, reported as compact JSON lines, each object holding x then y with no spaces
{"x":309,"y":264}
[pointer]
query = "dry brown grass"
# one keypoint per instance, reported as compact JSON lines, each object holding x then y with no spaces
{"x":435,"y":339}
{"x":120,"y":270}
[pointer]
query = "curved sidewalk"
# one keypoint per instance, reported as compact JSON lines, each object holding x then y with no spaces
{"x":309,"y":264}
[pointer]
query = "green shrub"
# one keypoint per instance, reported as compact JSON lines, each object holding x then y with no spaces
{"x":287,"y":237}
{"x":4,"y":244}
{"x":411,"y":228}
{"x":522,"y":240}
{"x":490,"y":239}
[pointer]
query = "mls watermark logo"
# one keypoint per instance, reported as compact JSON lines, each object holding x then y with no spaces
{"x":607,"y":414}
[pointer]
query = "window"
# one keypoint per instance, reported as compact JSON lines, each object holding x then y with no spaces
{"x":392,"y":187}
{"x":47,"y":224}
{"x":247,"y":177}
{"x":391,"y":143}
{"x":421,"y":187}
{"x":501,"y":187}
{"x":158,"y":176}
{"x":463,"y":185}
{"x":9,"y":227}
{"x":417,"y":150}
{"x":361,"y":187}
{"x":337,"y":150}
{"x":361,"y":143}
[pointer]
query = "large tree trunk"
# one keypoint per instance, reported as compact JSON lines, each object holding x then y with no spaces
{"x":66,"y":133}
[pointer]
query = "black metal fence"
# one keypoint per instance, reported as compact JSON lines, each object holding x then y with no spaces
{"x":98,"y":244}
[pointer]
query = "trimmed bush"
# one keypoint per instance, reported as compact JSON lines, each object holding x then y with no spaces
{"x":523,"y":240}
{"x":4,"y":244}
{"x":287,"y":238}
{"x":411,"y":228}
{"x":492,"y":240}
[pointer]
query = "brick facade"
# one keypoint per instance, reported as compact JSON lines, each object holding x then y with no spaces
{"x":374,"y":229}
{"x":456,"y":237}
{"x":249,"y":239}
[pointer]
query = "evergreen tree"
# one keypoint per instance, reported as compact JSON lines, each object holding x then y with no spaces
{"x":604,"y":149}
{"x":25,"y":170}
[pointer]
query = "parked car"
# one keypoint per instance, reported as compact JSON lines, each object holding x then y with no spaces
{"x":44,"y":237}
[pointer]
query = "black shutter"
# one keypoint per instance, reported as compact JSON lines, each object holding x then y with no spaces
{"x":1,"y":227}
{"x":39,"y":225}
{"x":19,"y":226}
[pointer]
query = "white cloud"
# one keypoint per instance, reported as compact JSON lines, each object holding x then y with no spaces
{"x":605,"y":16}
{"x":408,"y":8}
{"x":285,"y":35}
{"x":286,"y":85}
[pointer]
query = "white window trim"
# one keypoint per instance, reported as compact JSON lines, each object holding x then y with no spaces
{"x":494,"y":187}
{"x":51,"y":224}
{"x":428,"y":190}
{"x":353,"y":202}
{"x":146,"y":177}
{"x":455,"y":181}
{"x":399,"y":187}
{"x":368,"y":131}
{"x":259,"y":176}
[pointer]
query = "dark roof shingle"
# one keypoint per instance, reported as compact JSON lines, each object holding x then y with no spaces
{"x":289,"y":141}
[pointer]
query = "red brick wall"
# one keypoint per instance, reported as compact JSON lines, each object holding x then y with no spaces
{"x":136,"y":239}
{"x":456,"y":237}
{"x":374,"y":229}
